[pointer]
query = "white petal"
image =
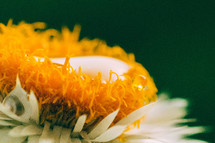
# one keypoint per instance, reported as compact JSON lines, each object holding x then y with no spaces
{"x":103,"y":125}
{"x":21,"y":96}
{"x":18,"y":83}
{"x":80,"y":124}
{"x":5,"y":123}
{"x":34,"y":107}
{"x":5,"y":138}
{"x":4,"y":117}
{"x":191,"y":141}
{"x":162,"y":123}
{"x":65,"y":135}
{"x":167,"y":110}
{"x":29,"y":130}
{"x":120,"y":126}
{"x":16,"y":131}
{"x":57,"y":132}
{"x":75,"y":141}
{"x":143,"y":141}
{"x":110,"y":134}
{"x":136,"y":115}
{"x":47,"y":140}
{"x":10,"y":114}
{"x":33,"y":139}
{"x":186,"y":130}
{"x":46,"y":135}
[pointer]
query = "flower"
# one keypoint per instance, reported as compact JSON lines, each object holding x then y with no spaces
{"x":46,"y":62}
{"x":160,"y":124}
{"x":57,"y":89}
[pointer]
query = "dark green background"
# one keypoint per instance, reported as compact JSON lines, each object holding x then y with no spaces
{"x":173,"y":39}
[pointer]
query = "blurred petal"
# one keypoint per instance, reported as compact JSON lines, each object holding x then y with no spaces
{"x":5,"y":138}
{"x":103,"y":125}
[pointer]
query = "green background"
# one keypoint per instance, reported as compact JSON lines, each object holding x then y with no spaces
{"x":173,"y":39}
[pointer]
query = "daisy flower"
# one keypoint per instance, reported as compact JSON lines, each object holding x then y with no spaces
{"x":55,"y":88}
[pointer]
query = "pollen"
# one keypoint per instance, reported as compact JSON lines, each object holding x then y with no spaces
{"x":63,"y":93}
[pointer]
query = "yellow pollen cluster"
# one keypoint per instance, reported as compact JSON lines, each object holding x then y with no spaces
{"x":62,"y":93}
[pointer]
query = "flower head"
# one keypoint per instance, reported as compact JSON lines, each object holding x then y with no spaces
{"x":55,"y":88}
